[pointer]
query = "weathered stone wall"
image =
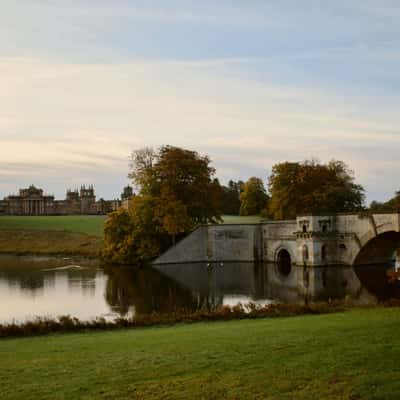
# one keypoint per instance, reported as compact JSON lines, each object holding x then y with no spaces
{"x":277,"y":235}
{"x":216,"y":243}
{"x":3,"y":207}
{"x":234,"y":243}
{"x":14,"y":206}
{"x":193,"y":249}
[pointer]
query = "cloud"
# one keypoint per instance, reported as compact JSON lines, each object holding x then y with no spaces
{"x":81,"y":121}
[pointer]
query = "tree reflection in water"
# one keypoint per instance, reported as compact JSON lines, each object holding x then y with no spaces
{"x":145,"y":291}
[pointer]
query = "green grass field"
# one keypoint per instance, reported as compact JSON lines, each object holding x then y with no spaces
{"x":91,"y":225}
{"x":346,"y":356}
{"x":236,"y":219}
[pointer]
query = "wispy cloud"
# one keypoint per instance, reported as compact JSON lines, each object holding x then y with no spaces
{"x":68,"y":115}
{"x":250,"y":84}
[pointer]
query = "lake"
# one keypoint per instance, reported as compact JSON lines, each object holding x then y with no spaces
{"x":82,"y":288}
{"x":45,"y":286}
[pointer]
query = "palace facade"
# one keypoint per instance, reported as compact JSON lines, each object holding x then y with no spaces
{"x":33,"y":201}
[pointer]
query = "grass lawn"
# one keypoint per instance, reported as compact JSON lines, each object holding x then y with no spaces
{"x":237,"y":219}
{"x":352,"y":355}
{"x":91,"y":225}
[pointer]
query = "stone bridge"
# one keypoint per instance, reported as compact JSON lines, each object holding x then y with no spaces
{"x":315,"y":256}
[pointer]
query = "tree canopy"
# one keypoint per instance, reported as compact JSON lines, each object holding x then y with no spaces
{"x":310,"y":187}
{"x":230,"y":197}
{"x":253,"y":198}
{"x":176,"y":192}
{"x":392,"y":205}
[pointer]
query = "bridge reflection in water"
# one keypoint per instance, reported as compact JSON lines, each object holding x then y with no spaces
{"x":32,"y":286}
{"x":261,"y":282}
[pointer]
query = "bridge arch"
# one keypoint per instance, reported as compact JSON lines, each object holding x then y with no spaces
{"x":360,"y":232}
{"x":284,"y":260}
{"x":379,"y":249}
{"x":372,"y":262}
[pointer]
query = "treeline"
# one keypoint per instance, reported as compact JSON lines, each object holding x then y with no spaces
{"x":392,"y":205}
{"x":177,"y":190}
{"x":296,"y":188}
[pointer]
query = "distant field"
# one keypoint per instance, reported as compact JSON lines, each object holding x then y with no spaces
{"x":236,"y":219}
{"x":91,"y":225}
{"x":346,"y":356}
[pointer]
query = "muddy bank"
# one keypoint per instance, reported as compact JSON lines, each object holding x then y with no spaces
{"x":49,"y":243}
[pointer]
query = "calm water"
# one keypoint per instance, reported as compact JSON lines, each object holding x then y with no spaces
{"x":39,"y":286}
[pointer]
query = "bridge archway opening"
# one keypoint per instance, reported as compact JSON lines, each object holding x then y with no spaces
{"x":284,"y":262}
{"x":324,"y":252}
{"x":375,"y":264}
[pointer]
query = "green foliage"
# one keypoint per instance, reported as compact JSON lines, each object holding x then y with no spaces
{"x":392,"y":205}
{"x":253,"y":198}
{"x":309,"y":187}
{"x":230,"y":198}
{"x":176,"y":193}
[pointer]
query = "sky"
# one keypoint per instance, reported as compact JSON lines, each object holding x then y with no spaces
{"x":249,"y":83}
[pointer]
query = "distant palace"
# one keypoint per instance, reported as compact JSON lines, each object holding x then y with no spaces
{"x":33,"y":201}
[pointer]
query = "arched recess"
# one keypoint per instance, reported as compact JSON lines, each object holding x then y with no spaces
{"x":284,"y":262}
{"x":373,"y":261}
{"x":324,"y":252}
{"x":305,"y":254}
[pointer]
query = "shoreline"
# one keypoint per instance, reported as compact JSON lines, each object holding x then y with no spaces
{"x":64,"y":324}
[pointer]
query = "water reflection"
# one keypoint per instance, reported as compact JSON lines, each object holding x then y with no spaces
{"x":145,"y":291}
{"x":219,"y":283}
{"x":39,"y":286}
{"x":375,"y":278}
{"x":34,"y":286}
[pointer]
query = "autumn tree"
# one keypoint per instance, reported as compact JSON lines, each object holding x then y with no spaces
{"x":140,"y":166}
{"x":186,"y":177}
{"x":310,"y":187}
{"x":253,"y":198}
{"x":118,"y":238}
{"x":176,"y":192}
